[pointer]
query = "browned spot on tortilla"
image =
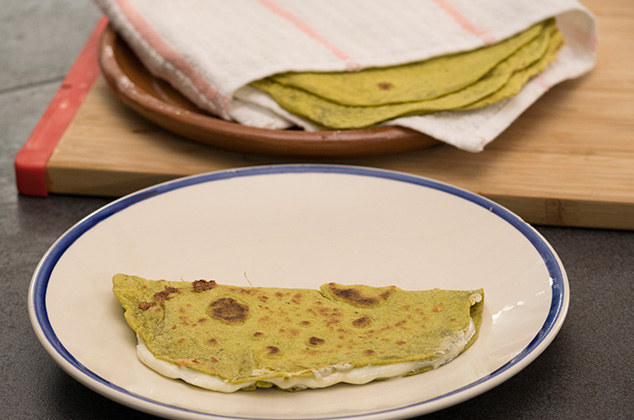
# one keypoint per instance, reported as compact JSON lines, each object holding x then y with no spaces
{"x":315,"y":341}
{"x":364,"y":321}
{"x":161,"y":297}
{"x":436,"y":309}
{"x":144,"y":306}
{"x":400,"y":342}
{"x":203,"y":285}
{"x":273,"y":351}
{"x":258,"y":334}
{"x":228,"y":310}
{"x":213,"y":341}
{"x":246,"y":291}
{"x":355,"y":297}
{"x":386,"y":294}
{"x":385,"y":85}
{"x":212,"y":359}
{"x":184,"y":321}
{"x":305,"y":323}
{"x":368,"y":352}
{"x":330,"y":322}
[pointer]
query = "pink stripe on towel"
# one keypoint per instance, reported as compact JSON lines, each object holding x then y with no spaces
{"x":466,"y":23}
{"x":171,"y":56}
{"x":306,"y":29}
{"x":543,"y":82}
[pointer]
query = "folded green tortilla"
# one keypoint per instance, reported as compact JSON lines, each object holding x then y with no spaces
{"x":256,"y":335}
{"x":504,"y":79}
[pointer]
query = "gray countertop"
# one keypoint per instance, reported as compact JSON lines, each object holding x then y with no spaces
{"x":587,"y":372}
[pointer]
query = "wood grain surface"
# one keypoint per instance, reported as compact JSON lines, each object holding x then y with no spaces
{"x":567,"y":161}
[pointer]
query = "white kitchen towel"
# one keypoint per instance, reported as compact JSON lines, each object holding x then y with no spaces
{"x":210,"y":50}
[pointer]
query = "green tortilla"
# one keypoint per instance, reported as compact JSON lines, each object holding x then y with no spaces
{"x":519,"y":78}
{"x":505,"y":79}
{"x":251,"y":334}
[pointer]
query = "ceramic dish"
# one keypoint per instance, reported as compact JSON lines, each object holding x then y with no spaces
{"x":157,"y":101}
{"x":299,"y":226}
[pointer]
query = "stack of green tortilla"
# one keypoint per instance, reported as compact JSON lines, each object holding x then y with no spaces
{"x":469,"y":80}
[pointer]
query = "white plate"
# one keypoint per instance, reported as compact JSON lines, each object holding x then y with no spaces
{"x":299,"y":226}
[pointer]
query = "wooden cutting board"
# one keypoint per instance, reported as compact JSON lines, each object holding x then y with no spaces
{"x":567,"y":161}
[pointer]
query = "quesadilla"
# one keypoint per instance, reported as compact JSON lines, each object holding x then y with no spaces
{"x":227,"y":338}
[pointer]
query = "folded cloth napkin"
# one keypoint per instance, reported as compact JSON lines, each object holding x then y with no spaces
{"x":210,"y":50}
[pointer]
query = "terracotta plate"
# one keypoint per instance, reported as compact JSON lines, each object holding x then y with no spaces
{"x":157,"y":101}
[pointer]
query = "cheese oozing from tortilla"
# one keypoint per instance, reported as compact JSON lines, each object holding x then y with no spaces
{"x":322,"y":377}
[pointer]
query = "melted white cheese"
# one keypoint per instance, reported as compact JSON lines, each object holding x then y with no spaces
{"x":321,"y":378}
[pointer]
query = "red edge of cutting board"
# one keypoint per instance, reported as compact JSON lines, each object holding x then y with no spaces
{"x":30,"y":162}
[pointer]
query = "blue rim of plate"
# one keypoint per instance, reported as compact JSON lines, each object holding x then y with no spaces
{"x":39,"y":283}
